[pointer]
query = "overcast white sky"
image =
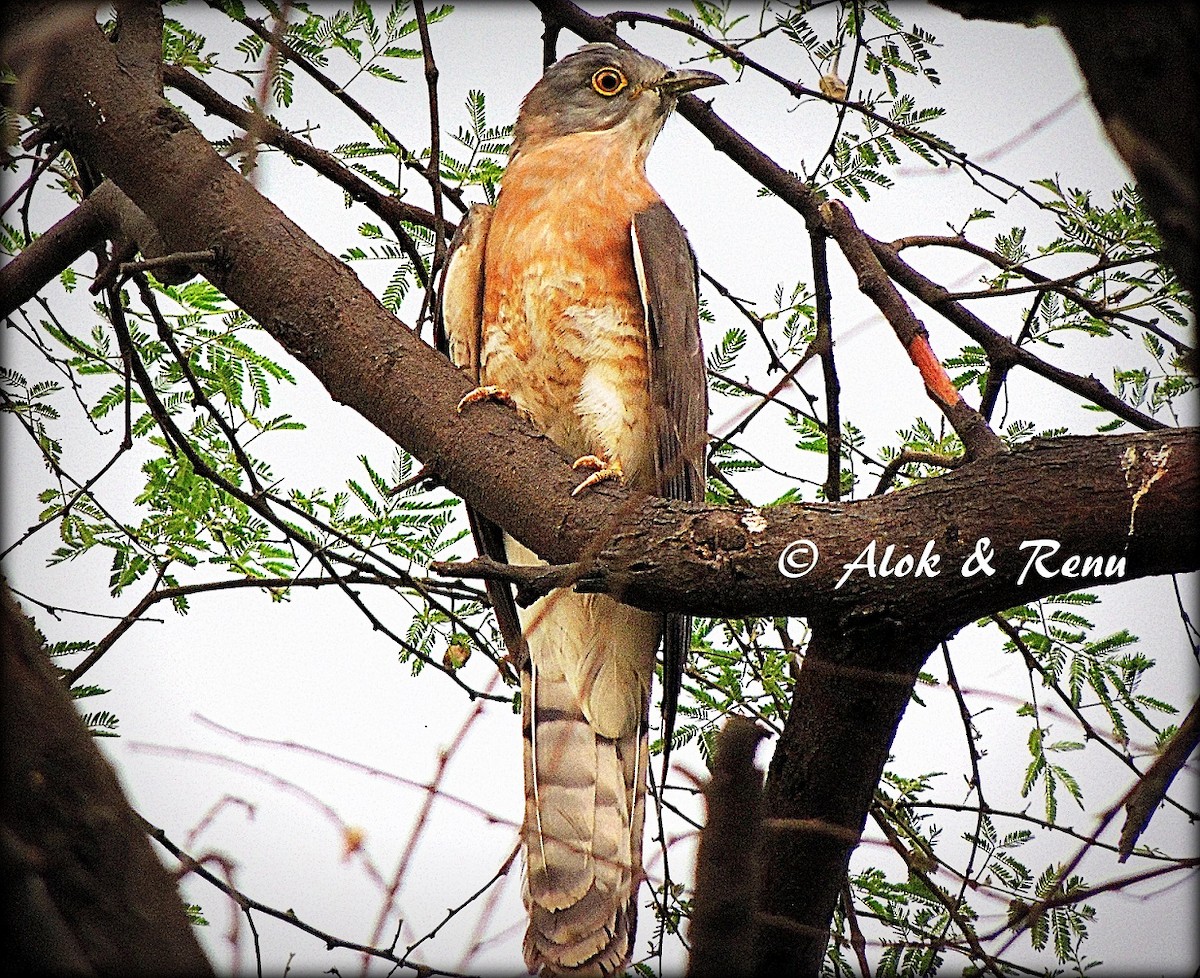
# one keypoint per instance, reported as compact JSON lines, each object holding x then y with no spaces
{"x":311,"y":672}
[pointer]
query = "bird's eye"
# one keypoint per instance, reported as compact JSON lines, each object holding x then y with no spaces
{"x":608,"y":81}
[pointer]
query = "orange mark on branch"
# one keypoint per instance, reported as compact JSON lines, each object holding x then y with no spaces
{"x":352,"y":841}
{"x":937,"y":381}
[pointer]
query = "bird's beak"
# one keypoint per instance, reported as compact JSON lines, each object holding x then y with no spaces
{"x":676,"y":83}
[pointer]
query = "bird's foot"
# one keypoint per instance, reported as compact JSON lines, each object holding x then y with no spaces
{"x":490,"y":392}
{"x":604,"y":470}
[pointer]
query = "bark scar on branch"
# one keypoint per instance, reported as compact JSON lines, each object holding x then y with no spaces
{"x":1142,"y":470}
{"x":874,"y":282}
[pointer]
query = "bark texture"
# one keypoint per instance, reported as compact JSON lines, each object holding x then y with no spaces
{"x":84,"y":894}
{"x":724,"y":922}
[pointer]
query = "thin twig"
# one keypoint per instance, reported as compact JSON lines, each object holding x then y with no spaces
{"x":951,"y":907}
{"x":455,"y":911}
{"x":393,"y":211}
{"x":939,"y":147}
{"x":1090,"y":731}
{"x":407,"y":158}
{"x":755,"y":320}
{"x":823,"y":341}
{"x":190,"y":864}
{"x":433,"y":173}
{"x":1042,"y":282}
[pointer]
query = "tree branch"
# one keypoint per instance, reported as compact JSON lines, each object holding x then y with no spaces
{"x":978,"y":438}
{"x":392,"y":210}
{"x":1001,"y":351}
{"x":1152,"y":787}
{"x":83,"y":889}
{"x":407,"y":158}
{"x":1126,"y":81}
{"x":1117,"y":497}
{"x":723,"y":931}
{"x":656,"y":553}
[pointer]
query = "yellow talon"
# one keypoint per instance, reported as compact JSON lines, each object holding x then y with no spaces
{"x":604,"y":470}
{"x":489,"y":392}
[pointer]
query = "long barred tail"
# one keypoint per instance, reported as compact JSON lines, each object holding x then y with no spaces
{"x":584,"y":792}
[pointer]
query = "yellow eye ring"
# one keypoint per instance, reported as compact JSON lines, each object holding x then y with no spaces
{"x":608,"y":81}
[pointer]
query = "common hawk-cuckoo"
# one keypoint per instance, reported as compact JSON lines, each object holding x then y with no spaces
{"x":575,"y":299}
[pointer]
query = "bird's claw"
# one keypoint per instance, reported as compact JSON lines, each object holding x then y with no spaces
{"x":604,"y":470}
{"x":490,"y":392}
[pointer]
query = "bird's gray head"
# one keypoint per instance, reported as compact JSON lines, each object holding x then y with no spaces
{"x":599,"y":87}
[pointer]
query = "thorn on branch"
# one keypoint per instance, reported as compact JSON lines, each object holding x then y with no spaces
{"x":532,"y":581}
{"x":183,"y":260}
{"x":428,"y":474}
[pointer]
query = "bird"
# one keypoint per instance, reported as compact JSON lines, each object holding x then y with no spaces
{"x":574,"y":299}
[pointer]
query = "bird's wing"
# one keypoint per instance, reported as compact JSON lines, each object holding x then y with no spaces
{"x":457,"y":334}
{"x":667,"y":278}
{"x":459,"y":322}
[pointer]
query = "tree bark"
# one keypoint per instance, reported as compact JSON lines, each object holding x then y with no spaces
{"x":723,"y":929}
{"x":84,"y":894}
{"x":853,"y":687}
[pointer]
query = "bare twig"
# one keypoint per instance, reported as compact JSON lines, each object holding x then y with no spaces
{"x":755,"y":320}
{"x":407,"y":158}
{"x":190,"y":864}
{"x":533,"y":581}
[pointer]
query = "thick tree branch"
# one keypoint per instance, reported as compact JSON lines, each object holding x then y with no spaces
{"x":854,"y":684}
{"x":1082,"y":493}
{"x":724,"y":932}
{"x":83,"y":891}
{"x":875,"y":613}
{"x":139,"y":39}
{"x":47,"y":255}
{"x":106,"y":213}
{"x":666,"y":555}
